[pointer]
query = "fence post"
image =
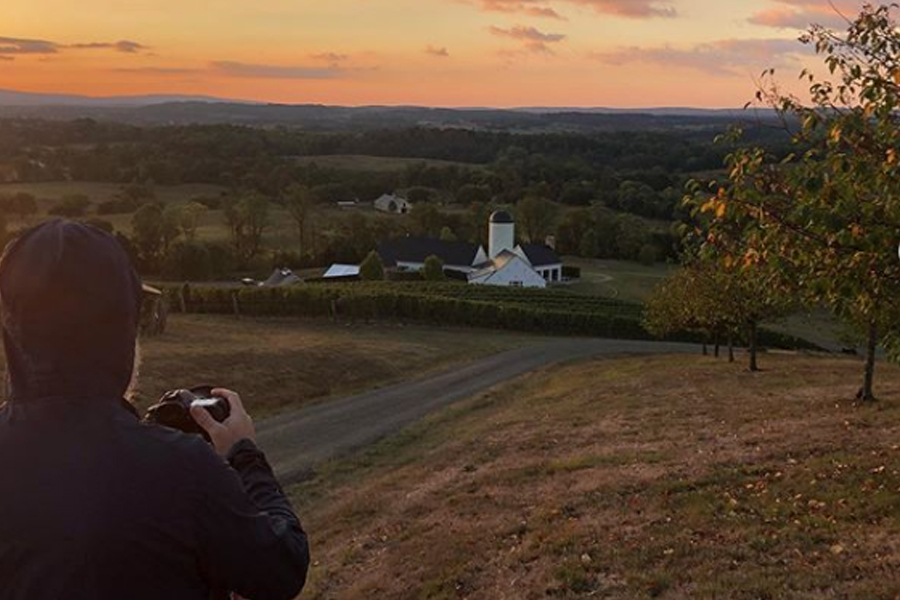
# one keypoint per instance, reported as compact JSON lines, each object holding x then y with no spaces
{"x":235,"y":304}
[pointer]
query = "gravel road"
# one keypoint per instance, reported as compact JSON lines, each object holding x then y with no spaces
{"x":296,"y":441}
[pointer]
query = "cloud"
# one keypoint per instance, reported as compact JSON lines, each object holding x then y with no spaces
{"x":635,"y":9}
{"x":11,"y":47}
{"x":731,"y":57}
{"x":330,"y":57}
{"x":437,"y":52}
{"x":261,"y":71}
{"x":158,"y":71}
{"x":124,"y":46}
{"x":16,"y":46}
{"x":531,"y":38}
{"x":800,"y":14}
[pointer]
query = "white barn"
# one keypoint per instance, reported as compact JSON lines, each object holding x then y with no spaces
{"x":393,"y":204}
{"x":510,"y":270}
{"x":504,"y":263}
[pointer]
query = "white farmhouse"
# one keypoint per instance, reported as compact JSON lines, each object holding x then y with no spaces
{"x":393,"y":204}
{"x":504,"y":263}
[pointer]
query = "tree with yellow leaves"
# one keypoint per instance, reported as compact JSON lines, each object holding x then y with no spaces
{"x":827,"y":218}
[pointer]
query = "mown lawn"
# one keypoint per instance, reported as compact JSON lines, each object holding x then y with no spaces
{"x":624,"y":280}
{"x":666,"y":477}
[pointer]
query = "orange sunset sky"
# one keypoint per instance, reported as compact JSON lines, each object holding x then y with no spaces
{"x":621,"y":53}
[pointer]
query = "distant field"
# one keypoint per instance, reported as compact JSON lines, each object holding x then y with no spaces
{"x":376,"y":164}
{"x":101,"y":192}
{"x":661,"y":477}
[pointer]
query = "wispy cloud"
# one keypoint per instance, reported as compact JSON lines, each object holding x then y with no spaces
{"x":124,"y":46}
{"x":531,"y":38}
{"x":800,"y":14}
{"x":264,"y":71}
{"x":330,"y":57}
{"x":15,"y":46}
{"x":731,"y":57}
{"x":11,"y":47}
{"x":635,"y":9}
{"x":437,"y":52}
{"x":158,"y":71}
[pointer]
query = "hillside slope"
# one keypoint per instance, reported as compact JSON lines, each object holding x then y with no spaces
{"x":671,"y":477}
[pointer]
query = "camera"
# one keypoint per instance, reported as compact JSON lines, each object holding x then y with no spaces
{"x":174,"y":409}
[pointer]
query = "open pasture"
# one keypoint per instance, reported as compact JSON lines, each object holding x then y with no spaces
{"x":667,"y":477}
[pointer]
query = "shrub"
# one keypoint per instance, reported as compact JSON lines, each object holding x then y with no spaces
{"x":433,"y":269}
{"x":74,"y":205}
{"x":372,"y":269}
{"x":187,"y":260}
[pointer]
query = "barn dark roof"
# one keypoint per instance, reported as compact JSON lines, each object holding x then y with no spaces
{"x":417,"y":249}
{"x":540,"y":255}
{"x":501,"y":216}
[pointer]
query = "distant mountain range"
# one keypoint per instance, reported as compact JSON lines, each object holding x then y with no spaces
{"x":184,"y":109}
{"x":31,"y":99}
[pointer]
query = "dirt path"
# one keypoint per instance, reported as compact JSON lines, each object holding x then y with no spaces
{"x":297,"y":441}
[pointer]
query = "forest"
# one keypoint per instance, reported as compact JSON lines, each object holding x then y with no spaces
{"x":610,"y":194}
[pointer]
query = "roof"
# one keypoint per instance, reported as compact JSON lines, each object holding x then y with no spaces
{"x":417,"y":249}
{"x":338,"y":270}
{"x":495,"y":264}
{"x":385,"y":198}
{"x":501,"y":216}
{"x":540,"y":255}
{"x":281,"y":277}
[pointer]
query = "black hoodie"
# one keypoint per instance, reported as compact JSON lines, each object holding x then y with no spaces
{"x":94,"y":504}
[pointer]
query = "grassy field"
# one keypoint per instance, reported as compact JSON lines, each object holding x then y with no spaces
{"x":666,"y":477}
{"x":279,"y":363}
{"x":50,"y":192}
{"x":376,"y":164}
{"x":623,"y":280}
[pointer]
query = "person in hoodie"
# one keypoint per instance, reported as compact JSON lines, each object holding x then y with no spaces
{"x":95,"y":504}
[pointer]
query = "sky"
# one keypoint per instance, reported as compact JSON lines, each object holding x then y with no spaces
{"x":503,"y":53}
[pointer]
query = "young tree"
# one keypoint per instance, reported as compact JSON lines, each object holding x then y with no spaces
{"x":433,"y":269}
{"x":247,"y":221}
{"x":298,"y":201}
{"x":536,"y":217}
{"x":447,"y":235}
{"x":427,"y":219}
{"x":829,"y":214}
{"x":717,"y":301}
{"x":372,"y":269}
{"x":151,"y":230}
{"x":189,"y":219}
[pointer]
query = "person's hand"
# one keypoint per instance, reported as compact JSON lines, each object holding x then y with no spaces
{"x":238,"y":426}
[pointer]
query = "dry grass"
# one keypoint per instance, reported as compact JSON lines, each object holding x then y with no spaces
{"x":278,"y":364}
{"x":669,"y":477}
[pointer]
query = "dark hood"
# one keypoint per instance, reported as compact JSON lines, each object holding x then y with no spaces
{"x":71,"y":305}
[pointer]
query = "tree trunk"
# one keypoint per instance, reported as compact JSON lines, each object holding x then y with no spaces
{"x":730,"y":348}
{"x":705,"y":349}
{"x":754,"y":365}
{"x":867,"y":393}
{"x":717,"y":345}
